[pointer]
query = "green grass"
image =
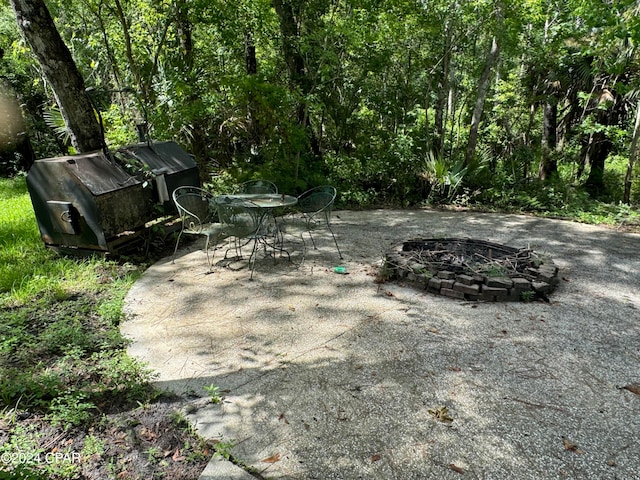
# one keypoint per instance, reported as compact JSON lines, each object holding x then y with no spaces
{"x":61,"y":351}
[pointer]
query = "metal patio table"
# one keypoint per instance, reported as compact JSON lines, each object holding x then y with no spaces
{"x":265,"y":204}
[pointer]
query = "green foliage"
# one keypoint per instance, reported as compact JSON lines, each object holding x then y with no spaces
{"x":376,"y":87}
{"x":60,"y":348}
{"x":444,"y":178}
{"x":214,"y":393}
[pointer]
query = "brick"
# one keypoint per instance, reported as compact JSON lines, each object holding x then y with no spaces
{"x":448,"y":283}
{"x":465,"y":279}
{"x":452,"y":293}
{"x":546,"y":276}
{"x":468,"y":289}
{"x":541,"y":287}
{"x":495,"y":291}
{"x":513,"y":296}
{"x":487,"y":296}
{"x":447,"y":275}
{"x":499,"y":282}
{"x":434,"y":284}
{"x":521,"y":284}
{"x":549,"y":267}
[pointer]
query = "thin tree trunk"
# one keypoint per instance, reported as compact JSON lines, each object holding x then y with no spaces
{"x":548,"y":164}
{"x":633,"y":157}
{"x":59,"y":69}
{"x":483,"y":87}
{"x":443,"y":92}
{"x":600,"y":148}
{"x":198,"y":140}
{"x":295,"y":61}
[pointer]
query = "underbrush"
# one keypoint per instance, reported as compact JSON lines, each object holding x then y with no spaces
{"x":557,"y":200}
{"x":65,"y":376}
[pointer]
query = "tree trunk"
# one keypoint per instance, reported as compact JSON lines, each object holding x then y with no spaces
{"x":289,"y":29}
{"x":598,"y":153}
{"x":483,"y":87}
{"x":633,"y":156}
{"x":197,"y":140}
{"x":442,"y":94}
{"x":59,"y":69}
{"x":548,"y":163}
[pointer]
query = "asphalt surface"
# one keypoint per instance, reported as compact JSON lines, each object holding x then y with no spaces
{"x":334,"y":376}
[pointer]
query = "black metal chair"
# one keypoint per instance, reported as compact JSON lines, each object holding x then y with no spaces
{"x":198,"y":217}
{"x":257,"y":186}
{"x":242,"y":220}
{"x":312,"y":212}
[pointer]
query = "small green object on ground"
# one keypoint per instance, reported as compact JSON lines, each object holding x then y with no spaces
{"x":341,"y":270}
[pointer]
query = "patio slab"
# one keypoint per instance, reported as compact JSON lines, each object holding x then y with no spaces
{"x":329,"y":376}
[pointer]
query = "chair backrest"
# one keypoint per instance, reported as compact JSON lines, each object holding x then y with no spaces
{"x":258,"y":186}
{"x":238,"y":217}
{"x":195,"y":207}
{"x":318,"y":199}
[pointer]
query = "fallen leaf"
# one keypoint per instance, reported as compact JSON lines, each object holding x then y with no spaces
{"x":441,"y":414}
{"x":272,"y":459}
{"x":282,"y":418}
{"x":176,"y":456}
{"x":455,"y":468}
{"x":148,"y":434}
{"x":571,"y":447}
{"x":375,"y":458}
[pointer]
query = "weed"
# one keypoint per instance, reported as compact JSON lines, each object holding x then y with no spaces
{"x":493,"y":270}
{"x":214,"y":393}
{"x":70,"y":410}
{"x":92,"y":446}
{"x":527,"y":295}
{"x":223,"y":448}
{"x":153,"y":454}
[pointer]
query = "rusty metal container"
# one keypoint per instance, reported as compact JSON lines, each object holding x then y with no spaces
{"x":103,"y":201}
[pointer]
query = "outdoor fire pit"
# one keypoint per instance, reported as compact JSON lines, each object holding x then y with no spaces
{"x":469,"y":269}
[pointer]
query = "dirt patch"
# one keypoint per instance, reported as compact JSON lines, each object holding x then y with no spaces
{"x":151,"y":441}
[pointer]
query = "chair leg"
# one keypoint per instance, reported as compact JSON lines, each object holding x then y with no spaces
{"x":304,"y":248}
{"x":335,"y":241}
{"x":206,"y":249}
{"x":253,"y":255}
{"x":173,"y":258}
{"x":312,"y":240}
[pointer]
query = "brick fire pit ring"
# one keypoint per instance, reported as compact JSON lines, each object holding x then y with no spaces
{"x":469,"y":269}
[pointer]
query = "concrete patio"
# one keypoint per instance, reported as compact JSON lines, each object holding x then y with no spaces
{"x":328,"y":376}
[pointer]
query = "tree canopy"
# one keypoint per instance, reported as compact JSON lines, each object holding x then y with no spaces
{"x":399,"y":101}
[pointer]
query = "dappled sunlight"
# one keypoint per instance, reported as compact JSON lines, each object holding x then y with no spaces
{"x":341,"y":375}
